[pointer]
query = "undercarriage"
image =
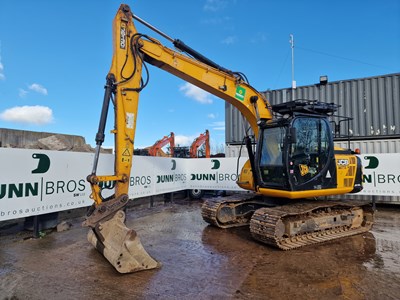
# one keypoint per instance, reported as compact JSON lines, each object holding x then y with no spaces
{"x":292,"y":225}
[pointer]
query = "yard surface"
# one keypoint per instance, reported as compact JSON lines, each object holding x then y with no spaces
{"x":201,"y":262}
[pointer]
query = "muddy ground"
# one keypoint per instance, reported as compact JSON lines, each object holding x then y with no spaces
{"x":201,"y":262}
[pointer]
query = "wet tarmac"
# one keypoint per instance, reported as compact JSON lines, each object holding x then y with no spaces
{"x":202,"y":262}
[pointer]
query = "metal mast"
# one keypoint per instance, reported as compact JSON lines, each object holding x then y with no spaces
{"x":291,"y":41}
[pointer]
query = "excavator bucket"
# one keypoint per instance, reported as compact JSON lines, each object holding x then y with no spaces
{"x":121,"y":245}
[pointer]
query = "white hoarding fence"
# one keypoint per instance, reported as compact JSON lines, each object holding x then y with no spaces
{"x":381,"y":174}
{"x":34,"y":182}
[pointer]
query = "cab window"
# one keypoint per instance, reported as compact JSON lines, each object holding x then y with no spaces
{"x":271,"y":157}
{"x":310,"y":151}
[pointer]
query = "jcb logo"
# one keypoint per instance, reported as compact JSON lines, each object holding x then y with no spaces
{"x":342,"y":162}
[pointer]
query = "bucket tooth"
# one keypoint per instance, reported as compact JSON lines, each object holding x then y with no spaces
{"x":121,"y":246}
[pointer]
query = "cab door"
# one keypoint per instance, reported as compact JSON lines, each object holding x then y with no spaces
{"x":311,"y":161}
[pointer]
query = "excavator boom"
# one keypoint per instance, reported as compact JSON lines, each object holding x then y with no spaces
{"x":123,"y":85}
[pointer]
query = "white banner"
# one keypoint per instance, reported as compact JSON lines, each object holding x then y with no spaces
{"x":381,"y":174}
{"x":34,"y":182}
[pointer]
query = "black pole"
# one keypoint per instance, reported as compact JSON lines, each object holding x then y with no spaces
{"x":374,"y":203}
{"x":36,"y":226}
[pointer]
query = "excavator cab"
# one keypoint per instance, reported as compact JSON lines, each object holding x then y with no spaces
{"x":297,"y":154}
{"x":295,"y":151}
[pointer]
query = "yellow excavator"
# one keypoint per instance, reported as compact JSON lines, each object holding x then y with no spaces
{"x":294,"y":161}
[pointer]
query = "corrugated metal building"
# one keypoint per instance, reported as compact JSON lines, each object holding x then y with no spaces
{"x":372,"y":102}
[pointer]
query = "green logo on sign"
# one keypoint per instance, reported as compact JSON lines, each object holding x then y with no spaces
{"x":373,"y":162}
{"x":240,"y":92}
{"x":216,"y":164}
{"x":44,"y":163}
